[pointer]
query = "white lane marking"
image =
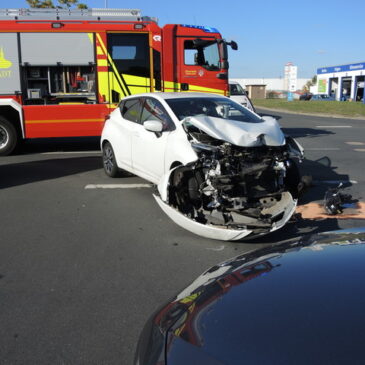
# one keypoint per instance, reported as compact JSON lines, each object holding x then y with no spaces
{"x":355,"y":143}
{"x":322,"y":149}
{"x":117,"y":186}
{"x":70,"y":152}
{"x":334,"y":182}
{"x":359,"y":149}
{"x":333,"y":126}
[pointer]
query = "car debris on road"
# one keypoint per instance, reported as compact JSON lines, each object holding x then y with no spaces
{"x":334,"y":200}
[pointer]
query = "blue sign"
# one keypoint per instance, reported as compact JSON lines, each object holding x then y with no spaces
{"x":343,"y":68}
{"x":201,"y":27}
{"x":290,"y":96}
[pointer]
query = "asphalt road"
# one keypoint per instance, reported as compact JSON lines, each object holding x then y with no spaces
{"x":81,"y":268}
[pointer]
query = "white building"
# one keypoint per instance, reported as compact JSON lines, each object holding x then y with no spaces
{"x":343,"y":82}
{"x":278,"y":84}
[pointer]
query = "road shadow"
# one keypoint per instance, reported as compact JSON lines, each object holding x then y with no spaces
{"x":295,"y":229}
{"x":33,"y":171}
{"x":324,"y":176}
{"x":306,"y":132}
{"x":72,"y":144}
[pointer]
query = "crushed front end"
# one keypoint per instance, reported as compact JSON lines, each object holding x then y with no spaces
{"x":231,"y":191}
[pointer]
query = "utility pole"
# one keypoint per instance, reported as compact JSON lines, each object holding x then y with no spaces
{"x":106,"y":3}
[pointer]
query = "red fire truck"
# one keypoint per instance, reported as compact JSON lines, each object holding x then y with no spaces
{"x":62,"y":71}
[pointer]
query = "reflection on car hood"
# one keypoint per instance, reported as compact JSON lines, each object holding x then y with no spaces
{"x":315,"y":242}
{"x":241,"y":134}
{"x":298,"y":295}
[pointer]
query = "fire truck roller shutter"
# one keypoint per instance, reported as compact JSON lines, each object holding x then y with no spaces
{"x":9,"y":64}
{"x":45,"y":49}
{"x":10,"y":111}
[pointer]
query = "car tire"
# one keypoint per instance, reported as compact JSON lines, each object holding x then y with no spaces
{"x":8,"y":137}
{"x":109,"y":162}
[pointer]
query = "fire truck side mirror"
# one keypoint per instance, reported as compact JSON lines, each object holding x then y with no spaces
{"x":233,"y":45}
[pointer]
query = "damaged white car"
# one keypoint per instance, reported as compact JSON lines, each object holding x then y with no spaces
{"x":222,"y":171}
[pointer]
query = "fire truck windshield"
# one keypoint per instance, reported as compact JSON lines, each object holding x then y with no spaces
{"x":210,"y":54}
{"x":204,"y":53}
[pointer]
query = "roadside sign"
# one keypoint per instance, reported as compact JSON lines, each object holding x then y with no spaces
{"x":322,"y":85}
{"x":290,"y":72}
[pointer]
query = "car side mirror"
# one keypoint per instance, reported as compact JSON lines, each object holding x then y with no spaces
{"x":153,"y":126}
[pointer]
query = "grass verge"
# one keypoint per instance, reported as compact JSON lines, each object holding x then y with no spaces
{"x":344,"y":108}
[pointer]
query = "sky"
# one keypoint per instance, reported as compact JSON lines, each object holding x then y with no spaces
{"x":310,"y":34}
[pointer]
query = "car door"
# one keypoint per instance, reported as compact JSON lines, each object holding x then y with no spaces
{"x":149,"y":148}
{"x":199,"y":63}
{"x":130,"y":111}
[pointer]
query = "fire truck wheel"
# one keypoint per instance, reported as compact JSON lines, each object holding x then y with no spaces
{"x":8,"y":137}
{"x":110,"y":166}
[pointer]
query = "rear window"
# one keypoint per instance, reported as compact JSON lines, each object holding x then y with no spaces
{"x":131,"y":110}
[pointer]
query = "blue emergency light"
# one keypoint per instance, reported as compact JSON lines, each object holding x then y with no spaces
{"x":201,"y":27}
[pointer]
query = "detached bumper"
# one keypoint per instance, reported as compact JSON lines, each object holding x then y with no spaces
{"x":285,"y":207}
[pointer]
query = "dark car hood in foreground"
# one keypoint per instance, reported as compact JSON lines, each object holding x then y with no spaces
{"x":300,"y":302}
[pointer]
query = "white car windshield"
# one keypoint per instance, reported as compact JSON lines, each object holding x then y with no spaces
{"x":236,"y":89}
{"x":211,"y":107}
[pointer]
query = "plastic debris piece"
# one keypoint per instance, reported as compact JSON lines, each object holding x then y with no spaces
{"x":334,"y":200}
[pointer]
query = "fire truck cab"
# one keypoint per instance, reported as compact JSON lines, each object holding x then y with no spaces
{"x":63,"y":71}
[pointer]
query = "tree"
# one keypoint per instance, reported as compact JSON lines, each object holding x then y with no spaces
{"x":307,"y":86}
{"x":68,"y":3}
{"x":62,"y":4}
{"x":40,"y":3}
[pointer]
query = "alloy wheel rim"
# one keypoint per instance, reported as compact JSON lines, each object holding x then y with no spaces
{"x":108,"y":159}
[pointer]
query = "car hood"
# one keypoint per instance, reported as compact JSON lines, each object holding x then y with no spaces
{"x":300,"y":301}
{"x":241,"y":134}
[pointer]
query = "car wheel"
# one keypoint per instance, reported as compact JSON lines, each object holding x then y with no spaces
{"x":8,"y":137}
{"x":109,"y":163}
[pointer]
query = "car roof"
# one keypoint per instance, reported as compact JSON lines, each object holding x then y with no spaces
{"x":175,"y":95}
